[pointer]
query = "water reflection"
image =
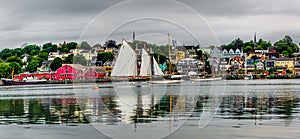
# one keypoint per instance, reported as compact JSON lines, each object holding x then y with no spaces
{"x":111,"y":107}
{"x":40,"y":111}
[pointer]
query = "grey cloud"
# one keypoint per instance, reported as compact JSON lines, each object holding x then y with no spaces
{"x":35,"y":21}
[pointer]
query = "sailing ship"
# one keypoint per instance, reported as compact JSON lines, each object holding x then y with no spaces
{"x":126,"y":66}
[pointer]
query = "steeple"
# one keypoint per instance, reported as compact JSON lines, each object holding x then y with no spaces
{"x":254,"y":40}
{"x":133,"y":36}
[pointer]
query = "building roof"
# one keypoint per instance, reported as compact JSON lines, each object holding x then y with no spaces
{"x":284,"y":59}
{"x":76,"y":66}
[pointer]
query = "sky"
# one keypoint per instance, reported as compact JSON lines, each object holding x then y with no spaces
{"x":189,"y":22}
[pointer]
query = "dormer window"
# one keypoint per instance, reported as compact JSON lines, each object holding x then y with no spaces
{"x":225,"y":52}
{"x":231,"y":51}
{"x":237,"y":51}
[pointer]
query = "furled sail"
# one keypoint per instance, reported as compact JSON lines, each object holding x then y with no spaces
{"x":145,"y":69}
{"x":156,"y":68}
{"x":126,"y":63}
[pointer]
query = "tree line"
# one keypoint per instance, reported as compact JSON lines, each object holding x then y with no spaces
{"x":11,"y":60}
{"x":285,"y":46}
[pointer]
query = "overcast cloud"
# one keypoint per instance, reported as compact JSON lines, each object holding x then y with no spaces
{"x":38,"y":22}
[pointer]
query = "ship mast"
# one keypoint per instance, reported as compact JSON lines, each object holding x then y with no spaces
{"x":169,"y":54}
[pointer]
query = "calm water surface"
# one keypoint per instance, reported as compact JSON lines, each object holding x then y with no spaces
{"x":216,"y":109}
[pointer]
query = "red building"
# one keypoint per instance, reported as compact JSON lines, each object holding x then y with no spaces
{"x":69,"y":72}
{"x":94,"y":73}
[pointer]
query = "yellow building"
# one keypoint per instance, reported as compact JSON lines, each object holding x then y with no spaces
{"x":177,"y":56}
{"x":285,"y":63}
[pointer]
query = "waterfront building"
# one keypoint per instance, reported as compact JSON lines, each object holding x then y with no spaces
{"x":53,"y":55}
{"x":232,"y":52}
{"x":285,"y":64}
{"x":270,"y":63}
{"x":69,"y":72}
{"x":236,"y":63}
{"x":177,"y":56}
{"x":190,"y":50}
{"x":224,"y":64}
{"x":45,"y":66}
{"x":189,"y":66}
{"x":259,"y":65}
{"x":94,"y":73}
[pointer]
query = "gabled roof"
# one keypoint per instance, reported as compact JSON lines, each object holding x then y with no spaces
{"x":96,"y":69}
{"x":76,"y":66}
{"x":284,"y":59}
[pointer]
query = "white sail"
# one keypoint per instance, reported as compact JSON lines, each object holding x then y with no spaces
{"x":157,"y":70}
{"x":126,"y":63}
{"x":145,"y":69}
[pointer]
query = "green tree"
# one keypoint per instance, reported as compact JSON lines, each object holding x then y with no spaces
{"x":69,"y":59}
{"x":111,"y":44}
{"x":287,"y":46}
{"x":247,"y":48}
{"x":16,"y":67}
{"x":5,"y":70}
{"x":85,"y":45}
{"x":259,"y":47}
{"x":5,"y":53}
{"x":264,"y":44}
{"x":32,"y":49}
{"x":43,"y":55}
{"x":32,"y":66}
{"x":64,"y":49}
{"x":79,"y":59}
{"x":49,"y":47}
{"x":105,"y":56}
{"x":97,"y":45}
{"x":14,"y":59}
{"x":18,"y":52}
{"x":55,"y":64}
{"x":71,"y":45}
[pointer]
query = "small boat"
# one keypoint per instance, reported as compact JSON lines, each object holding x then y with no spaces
{"x":207,"y":79}
{"x":165,"y":81}
{"x":248,"y":77}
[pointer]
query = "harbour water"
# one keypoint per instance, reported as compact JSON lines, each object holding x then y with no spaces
{"x":204,"y":109}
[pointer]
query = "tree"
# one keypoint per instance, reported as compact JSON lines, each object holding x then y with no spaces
{"x":32,"y":66}
{"x":14,"y":59}
{"x":69,"y":59}
{"x":5,"y":70}
{"x":105,"y":56}
{"x":97,"y":45}
{"x":55,"y":64}
{"x":43,"y":55}
{"x":111,"y":44}
{"x":259,"y":47}
{"x":247,"y":48}
{"x":18,"y":52}
{"x":79,"y":59}
{"x":287,"y":46}
{"x":85,"y":45}
{"x":264,"y":44}
{"x":71,"y":45}
{"x":5,"y":53}
{"x":49,"y":47}
{"x":16,"y":67}
{"x":32,"y":49}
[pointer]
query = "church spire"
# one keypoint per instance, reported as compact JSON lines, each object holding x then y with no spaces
{"x":133,"y":36}
{"x":254,"y":40}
